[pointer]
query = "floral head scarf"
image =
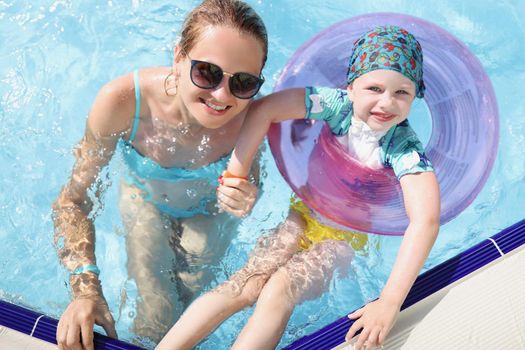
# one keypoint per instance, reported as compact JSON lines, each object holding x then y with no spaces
{"x":388,"y":47}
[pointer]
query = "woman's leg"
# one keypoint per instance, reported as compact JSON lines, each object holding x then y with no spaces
{"x":305,"y":276}
{"x":199,"y":248}
{"x":150,"y":260}
{"x":171,"y":260}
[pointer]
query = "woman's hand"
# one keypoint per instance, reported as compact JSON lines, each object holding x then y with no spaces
{"x":75,"y":328}
{"x":236,"y":196}
{"x":376,"y":319}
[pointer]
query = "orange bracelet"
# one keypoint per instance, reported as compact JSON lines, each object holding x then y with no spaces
{"x":226,"y":173}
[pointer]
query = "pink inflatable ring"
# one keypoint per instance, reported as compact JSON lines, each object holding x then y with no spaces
{"x":462,"y":145}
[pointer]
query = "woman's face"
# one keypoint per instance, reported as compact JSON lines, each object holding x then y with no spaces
{"x":233,"y":52}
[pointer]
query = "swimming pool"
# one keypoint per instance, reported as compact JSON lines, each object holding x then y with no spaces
{"x":56,"y":54}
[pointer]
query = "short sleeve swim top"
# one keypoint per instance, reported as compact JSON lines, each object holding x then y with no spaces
{"x":401,"y":149}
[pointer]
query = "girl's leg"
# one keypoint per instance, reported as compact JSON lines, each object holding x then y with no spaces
{"x":206,"y":313}
{"x":243,"y":289}
{"x":305,"y":276}
{"x":270,"y":253}
{"x":273,"y":309}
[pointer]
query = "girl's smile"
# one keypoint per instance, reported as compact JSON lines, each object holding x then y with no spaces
{"x":381,"y":98}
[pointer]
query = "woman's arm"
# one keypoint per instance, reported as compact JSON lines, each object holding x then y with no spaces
{"x":108,"y":118}
{"x":74,"y":231}
{"x":422,"y":203}
{"x":277,"y":107}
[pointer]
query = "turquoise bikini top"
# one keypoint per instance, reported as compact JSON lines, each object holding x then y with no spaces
{"x":146,"y":168}
{"x":143,"y":169}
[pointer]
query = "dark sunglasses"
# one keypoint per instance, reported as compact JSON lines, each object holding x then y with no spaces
{"x":206,"y":75}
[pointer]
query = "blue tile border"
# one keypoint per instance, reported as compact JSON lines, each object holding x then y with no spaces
{"x":427,"y":283}
{"x":23,"y":320}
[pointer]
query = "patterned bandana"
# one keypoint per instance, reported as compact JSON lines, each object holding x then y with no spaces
{"x":388,"y":47}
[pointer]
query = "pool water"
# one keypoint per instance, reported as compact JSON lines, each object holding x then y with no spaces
{"x":54,"y":57}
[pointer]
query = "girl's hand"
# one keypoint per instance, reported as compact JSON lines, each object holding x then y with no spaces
{"x":376,"y":319}
{"x":236,"y":195}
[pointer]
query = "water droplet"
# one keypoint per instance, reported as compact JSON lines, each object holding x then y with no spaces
{"x":191,"y":193}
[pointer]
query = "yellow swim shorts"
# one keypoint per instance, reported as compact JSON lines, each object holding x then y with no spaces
{"x":317,"y":232}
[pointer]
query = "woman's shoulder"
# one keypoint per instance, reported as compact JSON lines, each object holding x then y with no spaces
{"x":151,"y":78}
{"x":114,"y":107}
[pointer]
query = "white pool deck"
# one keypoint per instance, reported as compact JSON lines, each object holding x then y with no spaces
{"x":14,"y":340}
{"x":484,"y":310}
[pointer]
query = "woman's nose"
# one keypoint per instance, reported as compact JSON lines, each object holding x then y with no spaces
{"x":222,"y":91}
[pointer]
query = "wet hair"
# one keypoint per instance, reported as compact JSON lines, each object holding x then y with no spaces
{"x":231,"y":13}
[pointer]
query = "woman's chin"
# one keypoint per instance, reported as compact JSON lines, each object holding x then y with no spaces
{"x":212,"y":121}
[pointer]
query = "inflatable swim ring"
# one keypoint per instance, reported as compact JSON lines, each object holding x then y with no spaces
{"x":462,"y":145}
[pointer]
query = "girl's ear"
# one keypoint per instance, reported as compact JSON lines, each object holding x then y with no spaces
{"x":350,"y":91}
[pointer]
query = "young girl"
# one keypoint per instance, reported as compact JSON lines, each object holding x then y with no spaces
{"x":384,"y":76}
{"x":176,"y":127}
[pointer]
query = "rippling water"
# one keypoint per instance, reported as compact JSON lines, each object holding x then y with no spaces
{"x":54,"y":57}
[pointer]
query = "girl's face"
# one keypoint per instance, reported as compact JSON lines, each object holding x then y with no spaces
{"x":382,"y":98}
{"x":233,"y":52}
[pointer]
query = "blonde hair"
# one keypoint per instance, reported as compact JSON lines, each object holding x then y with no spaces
{"x":232,"y":13}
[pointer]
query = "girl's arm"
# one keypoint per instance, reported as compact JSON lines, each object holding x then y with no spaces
{"x":277,"y":107}
{"x":422,"y":203}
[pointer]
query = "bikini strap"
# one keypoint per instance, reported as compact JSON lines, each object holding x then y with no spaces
{"x":137,"y":106}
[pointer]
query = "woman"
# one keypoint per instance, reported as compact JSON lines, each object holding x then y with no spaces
{"x":176,"y":127}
